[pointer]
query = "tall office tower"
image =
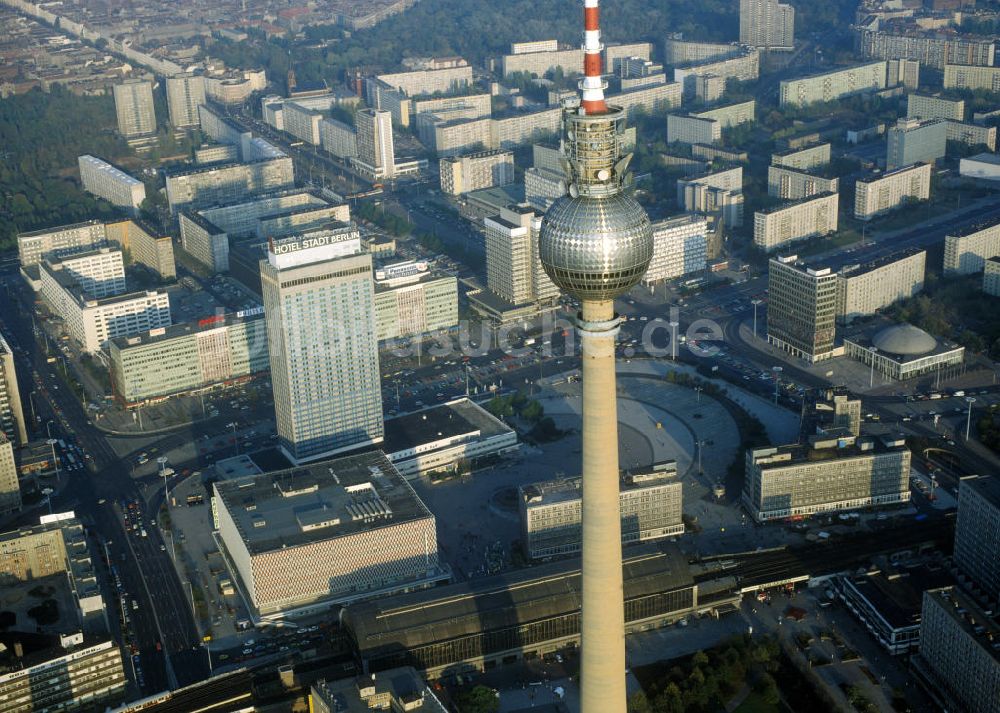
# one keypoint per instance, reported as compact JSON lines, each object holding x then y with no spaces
{"x":802,"y":308}
{"x":596,"y":244}
{"x":319,"y":302}
{"x":767,"y":24}
{"x":11,"y":413}
{"x":10,"y":489}
{"x":513,"y":269}
{"x":376,"y":156}
{"x":134,"y":108}
{"x":185,"y":93}
{"x":977,"y":533}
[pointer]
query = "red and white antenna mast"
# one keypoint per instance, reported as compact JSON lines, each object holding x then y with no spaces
{"x":592,"y":85}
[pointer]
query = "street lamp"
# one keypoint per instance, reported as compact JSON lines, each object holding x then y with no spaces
{"x":673,"y":339}
{"x":162,"y":462}
{"x":871,"y":378}
{"x":777,"y":381}
{"x":55,"y":461}
{"x":756,"y":304}
{"x":47,"y":492}
{"x":698,"y":390}
{"x":968,"y":417}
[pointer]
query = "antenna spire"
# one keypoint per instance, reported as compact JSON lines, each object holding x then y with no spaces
{"x":592,"y":85}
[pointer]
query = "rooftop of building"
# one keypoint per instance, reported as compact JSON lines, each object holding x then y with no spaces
{"x":562,"y":490}
{"x":320,"y":501}
{"x":404,"y":686}
{"x":897,"y":594}
{"x":974,"y":228}
{"x":109,"y":168}
{"x":478,"y":154}
{"x":449,"y":420}
{"x":799,"y":149}
{"x":797,"y":203}
{"x":793,"y":261}
{"x":825,"y":447}
{"x":185,"y":170}
{"x":56,"y":261}
{"x":894,"y":172}
{"x":391,"y":275}
{"x":497,"y":197}
{"x":987,"y":486}
{"x":970,"y":617}
{"x":990,"y":158}
{"x":507,"y":600}
{"x":903,"y":342}
{"x":207,"y":324}
{"x":858,"y":269}
{"x":834,"y":70}
{"x":59,"y":229}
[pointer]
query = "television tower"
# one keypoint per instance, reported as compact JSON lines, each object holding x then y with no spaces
{"x":596,"y":244}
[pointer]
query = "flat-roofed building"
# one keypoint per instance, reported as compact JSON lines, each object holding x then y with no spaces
{"x":958,"y":655}
{"x":134,"y":108}
{"x":863,"y":290}
{"x":302,"y":122}
{"x":338,"y":139}
{"x":678,"y":51}
{"x":831,"y":409}
{"x":213,"y":352}
{"x":743,"y":66}
{"x":412,"y":300}
{"x":112,"y":184}
{"x":99,"y":273}
{"x":652,"y":98}
{"x":786,"y":224}
{"x":991,"y":276}
{"x":219,"y":184}
{"x":883,"y":193}
{"x":92,"y":321}
{"x":145,"y":246}
{"x":234,"y":86}
{"x":534,"y":46}
{"x":804,"y":159}
{"x":971,"y":134}
{"x":376,"y":157}
{"x":398,"y":689}
{"x":521,"y":614}
{"x":680,"y":246}
{"x":472,"y":172}
{"x":59,"y":241}
{"x":767,"y":24}
{"x":731,"y":115}
{"x":509,"y":131}
{"x":543,"y":187}
{"x":930,"y":48}
{"x":802,"y":308}
{"x":11,"y":411}
{"x":827,"y":474}
{"x":513,"y":268}
{"x":538,"y":63}
{"x":204,"y":241}
{"x":792,"y":184}
{"x":448,"y":80}
{"x":922,"y":106}
{"x":304,"y":539}
{"x":959,"y":76}
{"x":10,"y":487}
{"x":650,"y":503}
{"x":692,"y":130}
{"x":830,"y":86}
{"x":447,"y":438}
{"x":977,"y":533}
{"x":967,"y":250}
{"x":985,"y":166}
{"x":185,"y":93}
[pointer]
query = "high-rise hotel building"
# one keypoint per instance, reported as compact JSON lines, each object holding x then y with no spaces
{"x":134,"y":108}
{"x":319,"y":303}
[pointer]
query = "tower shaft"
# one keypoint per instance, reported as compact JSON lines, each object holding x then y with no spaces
{"x":602,"y":647}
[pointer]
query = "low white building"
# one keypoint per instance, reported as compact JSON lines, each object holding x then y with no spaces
{"x":983,"y":165}
{"x":891,"y":190}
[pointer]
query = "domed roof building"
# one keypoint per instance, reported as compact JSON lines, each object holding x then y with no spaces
{"x":902,"y":351}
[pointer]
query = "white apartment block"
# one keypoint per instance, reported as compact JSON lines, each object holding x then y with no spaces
{"x":731,"y":115}
{"x":446,"y":81}
{"x":971,"y":134}
{"x":804,"y":159}
{"x":895,"y":189}
{"x":830,"y":86}
{"x":508,"y":132}
{"x":709,"y":88}
{"x":863,"y":290}
{"x":680,"y":247}
{"x":272,"y":108}
{"x":376,"y":154}
{"x":767,"y":24}
{"x":784,"y":225}
{"x":235,"y":87}
{"x":10,"y":488}
{"x":679,"y":52}
{"x":538,"y":63}
{"x":514,"y":270}
{"x":966,"y":253}
{"x":134,"y":108}
{"x":185,"y":93}
{"x":794,"y":185}
{"x":913,"y":141}
{"x":692,"y":130}
{"x":930,"y":48}
{"x":719,"y":193}
{"x":615,"y":54}
{"x":985,"y":166}
{"x":412,"y":300}
{"x":542,"y":187}
{"x":655,"y":98}
{"x":227,"y":183}
{"x":475,"y":106}
{"x":534,"y":46}
{"x":991,"y":276}
{"x":743,"y":67}
{"x":112,"y":184}
{"x":959,"y":76}
{"x":302,"y":122}
{"x":453,"y":138}
{"x":145,"y":246}
{"x":338,"y":139}
{"x":58,"y":242}
{"x":921,"y":106}
{"x":92,"y":322}
{"x":472,"y":172}
{"x":99,"y":273}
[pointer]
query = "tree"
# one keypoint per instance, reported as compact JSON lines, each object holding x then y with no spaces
{"x":638,"y":703}
{"x":480,"y":699}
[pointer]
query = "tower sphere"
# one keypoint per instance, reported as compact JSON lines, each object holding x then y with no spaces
{"x":596,"y":247}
